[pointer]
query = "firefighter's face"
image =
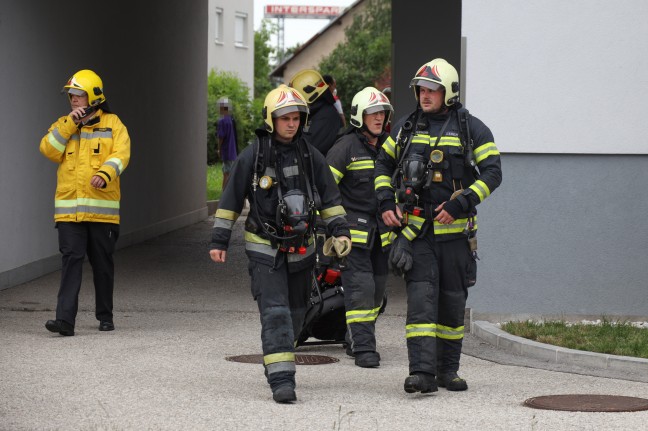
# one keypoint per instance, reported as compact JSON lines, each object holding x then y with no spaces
{"x":78,"y":101}
{"x":431,"y":101}
{"x":286,"y":127}
{"x":374,"y":121}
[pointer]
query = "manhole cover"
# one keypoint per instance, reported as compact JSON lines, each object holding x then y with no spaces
{"x":299,"y":359}
{"x":588,"y":403}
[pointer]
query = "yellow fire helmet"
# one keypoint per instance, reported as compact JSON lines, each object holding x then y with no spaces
{"x":86,"y":81}
{"x":368,"y":101}
{"x":438,"y":73}
{"x":309,"y":83}
{"x":281,"y":101}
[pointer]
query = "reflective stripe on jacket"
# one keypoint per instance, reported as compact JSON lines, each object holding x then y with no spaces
{"x":352,"y":163}
{"x":100,"y":148}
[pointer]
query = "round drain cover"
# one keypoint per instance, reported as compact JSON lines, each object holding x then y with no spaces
{"x":299,"y":359}
{"x":588,"y":403}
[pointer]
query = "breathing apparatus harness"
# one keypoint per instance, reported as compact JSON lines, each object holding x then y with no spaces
{"x":295,"y":214}
{"x":416,"y":172}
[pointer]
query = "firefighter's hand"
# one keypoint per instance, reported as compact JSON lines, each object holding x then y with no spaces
{"x":97,"y":182}
{"x":391,"y":218}
{"x":443,"y":216}
{"x":401,"y":256}
{"x":218,"y":256}
{"x":77,"y":114}
{"x":337,"y":246}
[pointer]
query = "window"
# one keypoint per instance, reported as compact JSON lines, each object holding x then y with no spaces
{"x":218,"y":24}
{"x":240,"y":29}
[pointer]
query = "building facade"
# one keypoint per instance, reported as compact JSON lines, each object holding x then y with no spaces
{"x":230,"y":41}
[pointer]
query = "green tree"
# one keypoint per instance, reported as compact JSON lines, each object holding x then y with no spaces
{"x":262,"y":53}
{"x":226,"y":84}
{"x":365,"y":55}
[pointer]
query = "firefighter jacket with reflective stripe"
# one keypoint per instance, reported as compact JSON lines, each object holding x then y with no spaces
{"x":101,"y":147}
{"x":262,"y":215}
{"x":454,"y":173}
{"x":352,"y":162}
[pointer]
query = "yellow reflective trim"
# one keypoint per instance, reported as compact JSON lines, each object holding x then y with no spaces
{"x":355,"y":316}
{"x":390,"y":147}
{"x":279,"y":357}
{"x":448,"y":333}
{"x":54,"y":143}
{"x":387,"y":238}
{"x":359,"y":236}
{"x":420,"y":330}
{"x":250,"y":237}
{"x":447,"y":141}
{"x":484,"y":151}
{"x":481,"y":189}
{"x":457,"y":226}
{"x":337,"y":175}
{"x":409,"y":233}
{"x":337,"y":210}
{"x":361,"y":165}
{"x":69,"y":203}
{"x":421,"y":139}
{"x":227,"y":214}
{"x":382,"y":181}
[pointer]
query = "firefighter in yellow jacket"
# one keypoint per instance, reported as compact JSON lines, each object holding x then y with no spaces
{"x":92,"y":147}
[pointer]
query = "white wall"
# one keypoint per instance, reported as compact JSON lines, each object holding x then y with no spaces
{"x":556,"y":76}
{"x":224,"y":55}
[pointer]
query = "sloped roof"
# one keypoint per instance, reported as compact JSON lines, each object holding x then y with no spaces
{"x":279,"y":70}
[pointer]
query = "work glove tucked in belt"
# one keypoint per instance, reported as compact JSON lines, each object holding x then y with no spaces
{"x":337,"y":246}
{"x":400,"y":256}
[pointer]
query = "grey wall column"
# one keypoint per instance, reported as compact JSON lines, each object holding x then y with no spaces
{"x":421,"y":31}
{"x":152,"y":59}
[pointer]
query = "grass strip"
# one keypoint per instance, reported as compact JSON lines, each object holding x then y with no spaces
{"x":611,"y":337}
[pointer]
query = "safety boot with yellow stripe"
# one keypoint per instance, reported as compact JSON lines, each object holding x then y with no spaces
{"x":451,"y":381}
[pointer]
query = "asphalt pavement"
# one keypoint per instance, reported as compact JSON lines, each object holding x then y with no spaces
{"x":178,"y":316}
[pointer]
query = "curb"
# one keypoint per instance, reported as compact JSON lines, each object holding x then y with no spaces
{"x":491,"y":334}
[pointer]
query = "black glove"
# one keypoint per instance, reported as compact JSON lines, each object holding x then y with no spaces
{"x":400,"y":256}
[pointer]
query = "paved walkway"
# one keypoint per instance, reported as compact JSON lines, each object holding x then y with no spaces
{"x":178,"y":316}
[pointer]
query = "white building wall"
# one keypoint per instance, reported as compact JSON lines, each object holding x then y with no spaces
{"x":226,"y":52}
{"x":549,"y":75}
{"x":563,"y":87}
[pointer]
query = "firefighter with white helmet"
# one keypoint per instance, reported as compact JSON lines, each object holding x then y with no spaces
{"x":444,"y":162}
{"x":92,"y":147}
{"x":365,"y":270}
{"x":286,"y":181}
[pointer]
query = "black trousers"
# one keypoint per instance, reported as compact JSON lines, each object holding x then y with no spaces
{"x":282,"y":298}
{"x":364,"y":277}
{"x":97,"y":241}
{"x":437,"y":290}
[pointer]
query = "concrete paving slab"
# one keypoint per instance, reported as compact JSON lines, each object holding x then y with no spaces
{"x":178,"y":316}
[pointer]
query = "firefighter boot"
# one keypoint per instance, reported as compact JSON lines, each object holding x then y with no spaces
{"x":420,"y":382}
{"x":451,"y":381}
{"x":367,"y":359}
{"x":284,"y":394}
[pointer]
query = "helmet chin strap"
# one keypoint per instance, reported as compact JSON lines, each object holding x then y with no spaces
{"x":366,"y":129}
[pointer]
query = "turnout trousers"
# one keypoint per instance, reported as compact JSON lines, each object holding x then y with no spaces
{"x":97,"y":241}
{"x":364,"y":277}
{"x":282,"y":299}
{"x":436,"y":301}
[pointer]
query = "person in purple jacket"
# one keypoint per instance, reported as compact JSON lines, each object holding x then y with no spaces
{"x":227,"y":139}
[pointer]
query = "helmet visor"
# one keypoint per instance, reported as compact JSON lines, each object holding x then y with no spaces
{"x":377,"y":108}
{"x":288,"y":109}
{"x":76,"y":91}
{"x":426,"y":83}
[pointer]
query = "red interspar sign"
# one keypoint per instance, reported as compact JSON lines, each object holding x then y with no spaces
{"x":274,"y":10}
